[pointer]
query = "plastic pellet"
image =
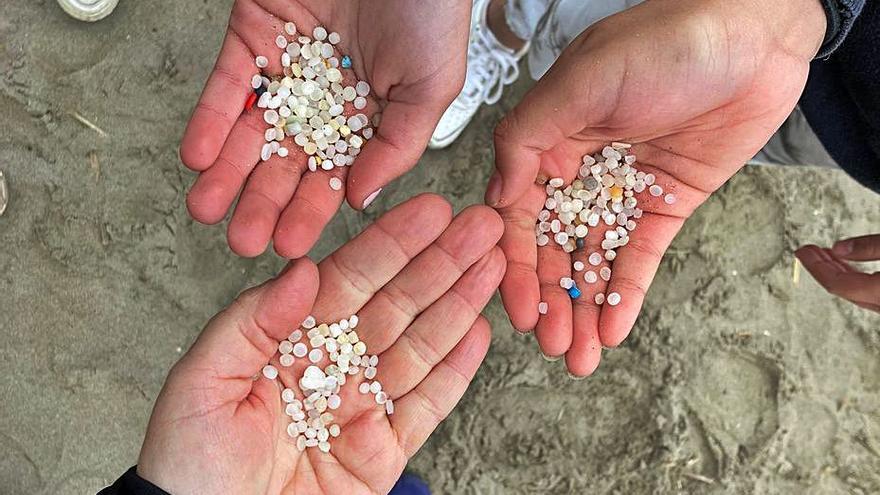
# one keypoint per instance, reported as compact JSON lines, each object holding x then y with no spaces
{"x":566,"y":283}
{"x":595,"y":259}
{"x":574,"y":292}
{"x":300,"y":350}
{"x":599,"y":298}
{"x":316,"y":355}
{"x":270,"y":372}
{"x":261,"y":61}
{"x":335,"y":183}
{"x":375,"y":387}
{"x":613,"y":299}
{"x":286,"y":360}
{"x":364,"y":388}
{"x":669,"y":199}
{"x":543,"y":307}
{"x":590,"y":277}
{"x":578,"y":266}
{"x":605,"y":273}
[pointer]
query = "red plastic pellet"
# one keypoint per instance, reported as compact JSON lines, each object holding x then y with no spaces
{"x":249,"y":104}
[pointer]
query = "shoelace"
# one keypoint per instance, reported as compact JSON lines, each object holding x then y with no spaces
{"x":490,"y":68}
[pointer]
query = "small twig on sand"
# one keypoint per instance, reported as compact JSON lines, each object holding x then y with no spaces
{"x":84,"y":121}
{"x":698,"y":477}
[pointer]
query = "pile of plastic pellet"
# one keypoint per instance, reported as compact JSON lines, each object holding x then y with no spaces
{"x":308,"y":102}
{"x":311,"y":418}
{"x":603,"y":193}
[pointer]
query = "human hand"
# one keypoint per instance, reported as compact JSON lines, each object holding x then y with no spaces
{"x":417,"y":282}
{"x":698,"y":86}
{"x":831,"y":268}
{"x":411,"y":53}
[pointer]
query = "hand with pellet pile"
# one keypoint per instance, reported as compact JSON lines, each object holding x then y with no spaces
{"x":417,"y":280}
{"x":405,"y":59}
{"x":697,"y":87}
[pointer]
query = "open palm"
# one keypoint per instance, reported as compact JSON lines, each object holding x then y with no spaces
{"x":417,"y":280}
{"x":698,"y":87}
{"x":411,"y":53}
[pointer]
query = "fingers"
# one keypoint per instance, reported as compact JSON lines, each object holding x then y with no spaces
{"x":554,"y":329}
{"x":632,"y":274}
{"x":418,"y":413}
{"x":395,"y":148}
{"x":840,"y":279}
{"x":440,"y":327}
{"x":520,"y":291}
{"x":312,"y":207}
{"x":864,"y":248}
{"x":219,"y":106}
{"x":216,"y":188}
{"x":357,"y":270}
{"x":472,"y":234}
{"x":268,"y":191}
{"x":238,"y":342}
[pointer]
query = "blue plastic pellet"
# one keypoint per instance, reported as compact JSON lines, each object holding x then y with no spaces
{"x":574,"y":292}
{"x":346,"y":62}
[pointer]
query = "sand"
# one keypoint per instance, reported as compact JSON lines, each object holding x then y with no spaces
{"x":735,"y":380}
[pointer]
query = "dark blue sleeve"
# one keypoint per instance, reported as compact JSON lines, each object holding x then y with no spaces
{"x":841,"y":17}
{"x":132,"y":484}
{"x":842,"y":100}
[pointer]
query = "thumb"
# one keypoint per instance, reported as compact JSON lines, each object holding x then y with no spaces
{"x":568,"y":100}
{"x":239,"y":341}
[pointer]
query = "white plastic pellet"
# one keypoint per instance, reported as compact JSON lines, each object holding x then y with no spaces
{"x":335,"y":183}
{"x":655,"y":190}
{"x":283,"y":152}
{"x":578,"y":266}
{"x":590,"y":277}
{"x":364,"y":388}
{"x":360,"y":103}
{"x":370,"y":373}
{"x":316,"y":355}
{"x":286,"y":360}
{"x":319,"y":33}
{"x":270,"y":372}
{"x":600,"y":298}
{"x":613,"y":299}
{"x":362,"y":88}
{"x":333,"y":402}
{"x":595,"y":259}
{"x":605,"y":273}
{"x":290,"y":28}
{"x":542,"y":308}
{"x":375,"y":387}
{"x":334,"y":38}
{"x":381,"y":397}
{"x":300,"y":350}
{"x":281,"y":42}
{"x":566,"y":283}
{"x":287,"y":395}
{"x":669,"y":199}
{"x":261,"y":61}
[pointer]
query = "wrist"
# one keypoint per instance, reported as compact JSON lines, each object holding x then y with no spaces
{"x":799,"y":25}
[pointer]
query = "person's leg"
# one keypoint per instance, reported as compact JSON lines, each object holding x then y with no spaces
{"x":499,"y":38}
{"x":563,"y":21}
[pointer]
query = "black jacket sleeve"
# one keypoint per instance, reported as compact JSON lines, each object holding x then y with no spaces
{"x":132,"y":484}
{"x":842,"y":100}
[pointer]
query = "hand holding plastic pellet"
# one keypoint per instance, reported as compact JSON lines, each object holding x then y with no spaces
{"x":698,"y":87}
{"x":416,"y":279}
{"x":411,"y":54}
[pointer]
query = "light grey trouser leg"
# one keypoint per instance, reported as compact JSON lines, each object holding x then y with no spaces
{"x":794,"y":143}
{"x":552,"y":24}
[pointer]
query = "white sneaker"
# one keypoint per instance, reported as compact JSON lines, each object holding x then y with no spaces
{"x":490,"y":67}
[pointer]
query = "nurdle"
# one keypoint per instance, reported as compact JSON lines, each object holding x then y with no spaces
{"x":312,"y":417}
{"x":307,"y":102}
{"x":601,"y":198}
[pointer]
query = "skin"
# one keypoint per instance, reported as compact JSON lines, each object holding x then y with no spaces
{"x":832,"y":269}
{"x":698,"y":86}
{"x":216,"y":429}
{"x":411,"y":53}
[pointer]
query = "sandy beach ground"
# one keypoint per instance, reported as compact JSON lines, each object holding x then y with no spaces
{"x":738,"y":378}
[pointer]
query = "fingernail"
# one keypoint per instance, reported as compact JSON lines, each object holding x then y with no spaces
{"x":575,"y":377}
{"x":550,"y":359}
{"x":806,"y":254}
{"x":493,"y":192}
{"x":842,"y":248}
{"x":371,"y":198}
